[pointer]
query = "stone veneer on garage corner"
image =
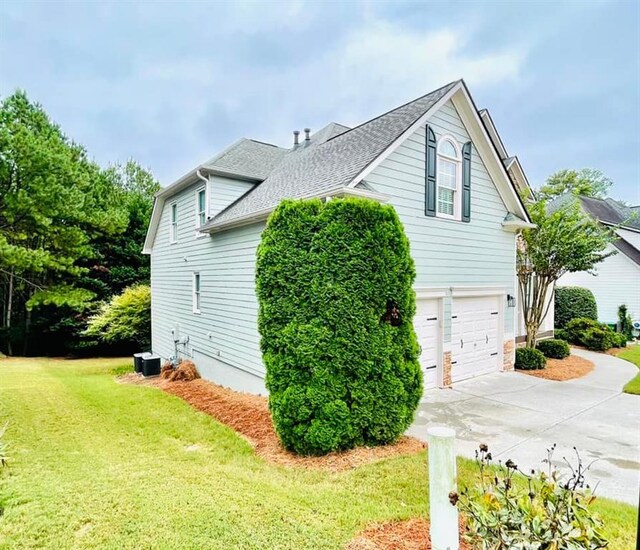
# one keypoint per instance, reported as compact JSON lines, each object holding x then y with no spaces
{"x":508,"y":354}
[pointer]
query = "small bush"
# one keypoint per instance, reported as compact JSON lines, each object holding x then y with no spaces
{"x":599,"y":339}
{"x":529,"y":359}
{"x":509,"y":508}
{"x":126,"y":318}
{"x":576,"y":329}
{"x":554,"y":349}
{"x":561,"y":334}
{"x":625,"y":323}
{"x":619,"y":340}
{"x":573,"y":302}
{"x":591,"y":334}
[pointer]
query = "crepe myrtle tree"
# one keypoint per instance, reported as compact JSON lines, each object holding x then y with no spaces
{"x":564,"y":240}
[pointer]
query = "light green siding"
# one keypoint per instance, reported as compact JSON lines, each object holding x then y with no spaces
{"x":224,"y":335}
{"x":450,"y":253}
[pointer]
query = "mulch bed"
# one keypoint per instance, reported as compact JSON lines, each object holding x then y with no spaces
{"x":563,"y":369}
{"x":412,"y":534}
{"x":249,"y":415}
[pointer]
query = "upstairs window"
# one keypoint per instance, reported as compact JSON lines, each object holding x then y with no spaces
{"x":448,"y":179}
{"x":201,"y":207}
{"x":173,"y":227}
{"x":196,"y":292}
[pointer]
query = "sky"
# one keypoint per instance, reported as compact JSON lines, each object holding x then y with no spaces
{"x":172,"y":83}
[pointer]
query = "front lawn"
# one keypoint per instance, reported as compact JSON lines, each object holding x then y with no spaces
{"x":632,"y":354}
{"x":96,"y":464}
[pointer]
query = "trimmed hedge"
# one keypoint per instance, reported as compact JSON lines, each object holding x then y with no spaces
{"x":573,"y":302}
{"x":334,"y":282}
{"x":619,"y":340}
{"x":554,"y":349}
{"x":530,"y":359}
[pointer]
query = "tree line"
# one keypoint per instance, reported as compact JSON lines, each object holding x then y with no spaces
{"x":71,"y":234}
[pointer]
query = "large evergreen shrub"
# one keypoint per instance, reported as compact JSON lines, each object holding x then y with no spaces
{"x":573,"y":302}
{"x":334,"y":281}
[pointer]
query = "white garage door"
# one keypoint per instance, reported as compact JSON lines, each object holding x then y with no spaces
{"x":475,"y":336}
{"x":427,"y":326}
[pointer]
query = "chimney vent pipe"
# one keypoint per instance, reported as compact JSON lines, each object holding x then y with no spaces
{"x":307,"y":131}
{"x":296,"y":133}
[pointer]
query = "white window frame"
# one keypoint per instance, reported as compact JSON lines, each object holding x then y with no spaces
{"x":457,"y":192}
{"x":198,"y":212}
{"x":196,"y":292}
{"x":173,"y":224}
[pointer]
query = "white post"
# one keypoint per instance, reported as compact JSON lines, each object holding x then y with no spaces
{"x":443,"y":516}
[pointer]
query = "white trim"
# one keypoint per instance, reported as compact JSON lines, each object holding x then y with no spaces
{"x":484,"y":146}
{"x":457,"y":192}
{"x":516,"y":225}
{"x":263,"y":214}
{"x":196,"y":295}
{"x":426,"y":293}
{"x":409,"y":131}
{"x":173,"y":238}
{"x":197,"y":206}
{"x":472,"y":291}
{"x":493,"y":132}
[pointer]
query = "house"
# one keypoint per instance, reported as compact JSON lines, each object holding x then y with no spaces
{"x":616,"y":280}
{"x":437,"y":160}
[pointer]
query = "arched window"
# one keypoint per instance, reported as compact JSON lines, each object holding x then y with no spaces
{"x":448,"y":178}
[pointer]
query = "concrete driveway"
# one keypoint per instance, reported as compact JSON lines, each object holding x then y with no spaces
{"x":520,"y":416}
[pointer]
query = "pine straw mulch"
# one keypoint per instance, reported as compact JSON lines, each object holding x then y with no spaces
{"x":249,"y":415}
{"x":411,"y":534}
{"x":569,"y":368}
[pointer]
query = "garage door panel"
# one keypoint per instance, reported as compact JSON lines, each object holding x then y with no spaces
{"x":474,"y":336}
{"x":427,"y":326}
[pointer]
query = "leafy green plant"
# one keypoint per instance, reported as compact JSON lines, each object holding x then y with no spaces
{"x":561,"y":334}
{"x":510,"y":509}
{"x":619,"y":340}
{"x":554,"y":349}
{"x":126,"y":318}
{"x":573,"y":302}
{"x":591,"y":334}
{"x":334,"y":282}
{"x":625,"y":322}
{"x":599,"y":339}
{"x":530,"y":359}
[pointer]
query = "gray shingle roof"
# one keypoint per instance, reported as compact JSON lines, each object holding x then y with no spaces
{"x":325,"y":166}
{"x":248,"y":157}
{"x":611,"y":211}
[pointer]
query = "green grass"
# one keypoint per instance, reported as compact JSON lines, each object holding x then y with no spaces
{"x":96,"y":464}
{"x":632,"y":354}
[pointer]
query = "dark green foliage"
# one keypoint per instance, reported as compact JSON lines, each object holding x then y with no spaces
{"x":554,"y":349}
{"x":334,"y":283}
{"x":530,"y":359}
{"x":619,"y":340}
{"x":625,"y":322}
{"x":591,"y":334}
{"x":599,"y":339}
{"x":573,"y":302}
{"x":561,"y":334}
{"x":70,"y":232}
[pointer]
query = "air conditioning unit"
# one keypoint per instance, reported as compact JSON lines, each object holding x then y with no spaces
{"x":636,"y":325}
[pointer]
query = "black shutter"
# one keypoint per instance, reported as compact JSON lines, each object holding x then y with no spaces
{"x":430,"y":176}
{"x":466,"y":182}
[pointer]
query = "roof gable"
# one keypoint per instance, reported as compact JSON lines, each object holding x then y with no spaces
{"x":333,"y":164}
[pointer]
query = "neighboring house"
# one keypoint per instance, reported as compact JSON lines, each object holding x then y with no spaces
{"x":435,"y":159}
{"x":616,"y":280}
